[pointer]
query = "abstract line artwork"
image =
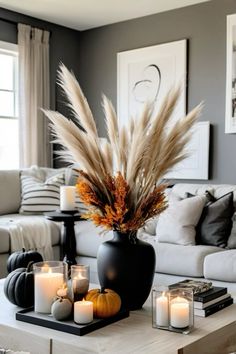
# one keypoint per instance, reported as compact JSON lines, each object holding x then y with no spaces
{"x":146,"y":74}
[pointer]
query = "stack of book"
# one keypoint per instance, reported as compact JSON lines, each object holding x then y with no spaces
{"x":208,"y":299}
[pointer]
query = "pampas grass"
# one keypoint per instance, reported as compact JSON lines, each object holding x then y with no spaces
{"x":121,"y":181}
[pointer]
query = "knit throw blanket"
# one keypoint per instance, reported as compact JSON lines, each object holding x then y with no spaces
{"x":29,"y":232}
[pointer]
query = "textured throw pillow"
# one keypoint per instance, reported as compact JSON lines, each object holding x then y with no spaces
{"x":39,"y":195}
{"x":177,"y":223}
{"x":215,"y":223}
{"x":232,"y":238}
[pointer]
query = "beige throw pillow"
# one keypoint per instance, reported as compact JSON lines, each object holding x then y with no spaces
{"x":177,"y":223}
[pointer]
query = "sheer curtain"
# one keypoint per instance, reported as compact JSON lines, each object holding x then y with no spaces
{"x":33,"y":46}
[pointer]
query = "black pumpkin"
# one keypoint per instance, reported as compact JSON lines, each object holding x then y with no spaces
{"x":21,"y":259}
{"x":19,"y":286}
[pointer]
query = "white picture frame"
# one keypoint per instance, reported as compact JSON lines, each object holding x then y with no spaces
{"x":196,"y":165}
{"x":230,"y":97}
{"x":146,"y":74}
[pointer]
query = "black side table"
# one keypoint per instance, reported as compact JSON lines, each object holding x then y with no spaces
{"x":68,"y":239}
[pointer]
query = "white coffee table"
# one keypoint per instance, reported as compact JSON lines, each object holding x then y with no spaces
{"x":131,"y":335}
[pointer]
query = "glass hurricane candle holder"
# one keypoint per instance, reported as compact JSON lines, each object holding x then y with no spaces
{"x":173,"y":309}
{"x":79,"y":281}
{"x":48,"y":278}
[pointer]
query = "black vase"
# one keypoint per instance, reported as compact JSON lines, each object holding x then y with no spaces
{"x":127,"y":265}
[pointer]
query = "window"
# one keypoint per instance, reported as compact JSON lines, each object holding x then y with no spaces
{"x":9,"y":141}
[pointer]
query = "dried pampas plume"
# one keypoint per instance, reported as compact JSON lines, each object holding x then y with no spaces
{"x":141,"y":154}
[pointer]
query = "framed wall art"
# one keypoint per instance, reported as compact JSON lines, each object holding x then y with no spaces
{"x":230,"y":99}
{"x":196,"y":165}
{"x":146,"y":74}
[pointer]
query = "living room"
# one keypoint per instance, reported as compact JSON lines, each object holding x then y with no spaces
{"x":94,"y":45}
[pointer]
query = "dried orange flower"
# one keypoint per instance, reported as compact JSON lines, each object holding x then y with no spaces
{"x":116,"y":212}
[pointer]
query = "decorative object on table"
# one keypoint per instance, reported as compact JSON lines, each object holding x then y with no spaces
{"x":208,"y":299}
{"x":68,"y":237}
{"x":61,"y":309}
{"x":49,"y":277}
{"x":69,"y":326}
{"x":106,"y":302}
{"x":172,"y":309}
{"x":125,"y":199}
{"x":19,"y":286}
{"x":21,"y":259}
{"x":80,"y":277}
{"x":127,"y":266}
{"x":211,"y":301}
{"x":215,"y":306}
{"x":83,"y":312}
{"x":197,"y":286}
{"x":67,"y":199}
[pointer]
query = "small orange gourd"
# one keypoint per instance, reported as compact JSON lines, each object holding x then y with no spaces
{"x":106,"y":302}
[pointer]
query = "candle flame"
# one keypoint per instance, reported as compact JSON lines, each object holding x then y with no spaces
{"x":45,"y":268}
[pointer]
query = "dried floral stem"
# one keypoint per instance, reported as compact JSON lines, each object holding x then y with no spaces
{"x":121,"y":179}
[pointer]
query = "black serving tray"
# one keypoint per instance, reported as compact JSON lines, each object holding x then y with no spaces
{"x":68,"y":326}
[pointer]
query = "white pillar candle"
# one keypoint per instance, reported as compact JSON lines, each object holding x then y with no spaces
{"x":67,"y":197}
{"x":46,"y":287}
{"x":83,"y":312}
{"x":162,"y":312}
{"x":179,"y":312}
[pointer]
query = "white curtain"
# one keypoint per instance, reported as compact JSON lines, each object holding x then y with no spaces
{"x":33,"y":46}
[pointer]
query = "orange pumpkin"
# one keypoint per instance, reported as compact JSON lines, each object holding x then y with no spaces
{"x":106,"y":302}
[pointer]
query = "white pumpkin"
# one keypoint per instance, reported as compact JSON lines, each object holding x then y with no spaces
{"x":61,"y":309}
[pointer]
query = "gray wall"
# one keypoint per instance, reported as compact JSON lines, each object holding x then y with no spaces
{"x":204,"y":26}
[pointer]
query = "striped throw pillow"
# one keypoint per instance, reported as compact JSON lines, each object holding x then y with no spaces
{"x":38,"y":195}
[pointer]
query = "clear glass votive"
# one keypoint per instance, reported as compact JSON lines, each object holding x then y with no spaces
{"x":80,"y":276}
{"x":181,"y":309}
{"x":172,"y":309}
{"x":49,"y":276}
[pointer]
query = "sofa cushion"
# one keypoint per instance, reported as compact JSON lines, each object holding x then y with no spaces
{"x":232,"y":238}
{"x":177,"y":223}
{"x":9,"y":191}
{"x":40,"y":193}
{"x":89,"y":238}
{"x":218,"y":190}
{"x":221,"y":266}
{"x":215,"y":223}
{"x":5,"y":221}
{"x":180,"y":260}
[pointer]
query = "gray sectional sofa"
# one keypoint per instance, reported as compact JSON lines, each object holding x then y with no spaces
{"x":174,"y":262}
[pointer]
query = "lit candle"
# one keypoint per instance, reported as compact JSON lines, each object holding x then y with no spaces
{"x":47,"y":284}
{"x":63,"y":291}
{"x":83,"y":312}
{"x":80,"y":281}
{"x":179,"y":312}
{"x":162,"y":313}
{"x":67,"y":197}
{"x":80,"y":285}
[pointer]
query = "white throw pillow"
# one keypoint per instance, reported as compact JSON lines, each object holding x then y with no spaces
{"x":40,"y":195}
{"x":177,"y":223}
